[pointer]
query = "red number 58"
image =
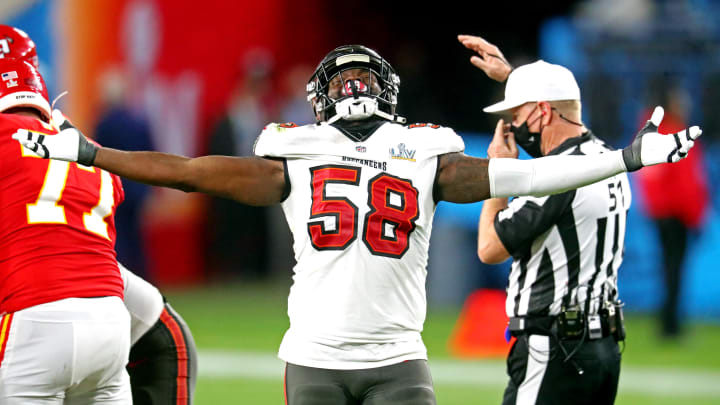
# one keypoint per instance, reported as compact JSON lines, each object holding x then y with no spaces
{"x":393,"y":211}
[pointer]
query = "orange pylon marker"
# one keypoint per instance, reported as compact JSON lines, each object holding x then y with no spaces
{"x":480,"y":328}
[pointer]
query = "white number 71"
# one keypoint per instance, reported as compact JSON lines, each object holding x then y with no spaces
{"x":47,"y":210}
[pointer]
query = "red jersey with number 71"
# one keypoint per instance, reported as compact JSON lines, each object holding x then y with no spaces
{"x":57,"y":229}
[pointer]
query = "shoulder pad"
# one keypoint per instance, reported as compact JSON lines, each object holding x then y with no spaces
{"x":11,"y":122}
{"x":267,"y":137}
{"x":436,"y":139}
{"x":277,"y":127}
{"x":423,"y":125}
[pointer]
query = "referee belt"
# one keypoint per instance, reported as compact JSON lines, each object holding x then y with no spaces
{"x":548,"y":326}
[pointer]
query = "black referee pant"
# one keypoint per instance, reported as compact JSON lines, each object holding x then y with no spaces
{"x":539,"y":373}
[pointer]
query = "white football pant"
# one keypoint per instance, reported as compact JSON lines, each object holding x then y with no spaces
{"x":71,"y":351}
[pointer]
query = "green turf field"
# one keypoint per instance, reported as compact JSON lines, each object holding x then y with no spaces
{"x":238,"y":328}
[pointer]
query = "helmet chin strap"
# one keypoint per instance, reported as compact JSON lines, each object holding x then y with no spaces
{"x":391,"y":117}
{"x":360,"y":108}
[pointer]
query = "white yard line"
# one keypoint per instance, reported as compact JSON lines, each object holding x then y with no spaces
{"x":491,"y":373}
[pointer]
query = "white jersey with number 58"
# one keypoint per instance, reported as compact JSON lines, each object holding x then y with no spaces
{"x":361,"y":215}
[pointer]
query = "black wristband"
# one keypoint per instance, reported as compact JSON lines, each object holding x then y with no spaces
{"x":86,"y":151}
{"x":631,"y":153}
{"x":631,"y":157}
{"x":65,"y":125}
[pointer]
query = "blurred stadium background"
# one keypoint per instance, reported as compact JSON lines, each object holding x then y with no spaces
{"x":198,"y":77}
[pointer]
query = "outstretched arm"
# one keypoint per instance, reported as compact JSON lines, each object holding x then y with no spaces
{"x":249,"y":180}
{"x":555,"y":174}
{"x":465,"y":179}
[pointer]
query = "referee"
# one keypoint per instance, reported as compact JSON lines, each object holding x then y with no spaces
{"x":566,"y":248}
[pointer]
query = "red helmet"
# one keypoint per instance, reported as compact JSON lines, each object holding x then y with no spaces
{"x":22,"y":86}
{"x":15,"y":43}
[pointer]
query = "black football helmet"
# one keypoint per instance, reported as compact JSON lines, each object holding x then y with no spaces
{"x":357,"y":100}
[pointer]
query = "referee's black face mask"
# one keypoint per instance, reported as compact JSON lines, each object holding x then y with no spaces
{"x":530,"y":141}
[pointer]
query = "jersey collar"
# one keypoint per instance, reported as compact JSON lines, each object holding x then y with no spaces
{"x":572,"y":142}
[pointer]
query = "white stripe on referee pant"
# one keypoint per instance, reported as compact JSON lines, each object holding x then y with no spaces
{"x":537,"y":361}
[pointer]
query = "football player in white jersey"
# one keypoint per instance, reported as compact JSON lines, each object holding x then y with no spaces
{"x":359,"y":191}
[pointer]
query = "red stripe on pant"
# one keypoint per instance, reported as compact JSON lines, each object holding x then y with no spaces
{"x":285,"y":384}
{"x":182,"y":356}
{"x":5,"y":322}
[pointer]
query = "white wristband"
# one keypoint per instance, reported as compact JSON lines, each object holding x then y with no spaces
{"x":551,"y":174}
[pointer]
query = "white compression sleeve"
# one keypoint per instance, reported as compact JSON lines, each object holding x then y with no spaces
{"x":143,"y":301}
{"x":551,"y":174}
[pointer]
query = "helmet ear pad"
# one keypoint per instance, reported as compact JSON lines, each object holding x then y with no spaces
{"x":318,"y":108}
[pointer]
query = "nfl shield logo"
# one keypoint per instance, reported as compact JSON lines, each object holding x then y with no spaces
{"x":360,"y":149}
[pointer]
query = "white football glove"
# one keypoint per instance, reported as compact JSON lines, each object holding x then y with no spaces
{"x":651,"y":148}
{"x":69,"y":144}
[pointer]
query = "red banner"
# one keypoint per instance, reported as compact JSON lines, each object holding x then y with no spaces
{"x":180,"y":61}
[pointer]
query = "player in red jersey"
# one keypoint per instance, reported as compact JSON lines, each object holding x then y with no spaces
{"x":163,"y":356}
{"x":64,"y":333}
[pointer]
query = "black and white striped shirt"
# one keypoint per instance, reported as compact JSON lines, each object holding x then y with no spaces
{"x":567,"y":246}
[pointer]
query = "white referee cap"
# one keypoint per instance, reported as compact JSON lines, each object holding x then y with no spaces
{"x":538,"y":81}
